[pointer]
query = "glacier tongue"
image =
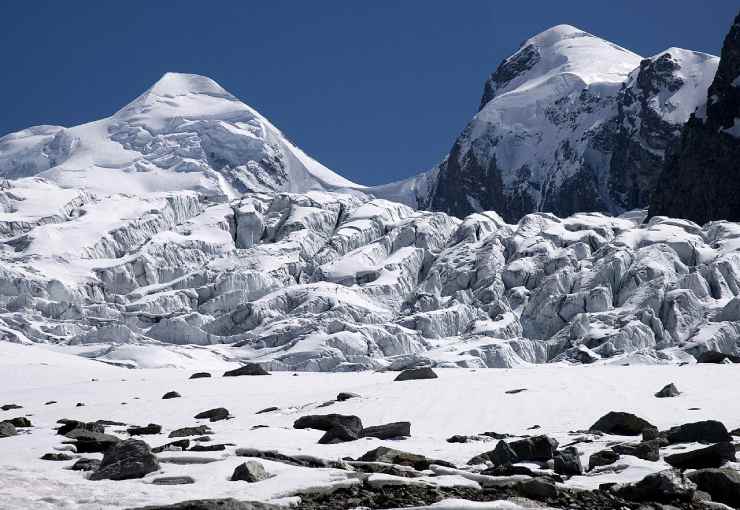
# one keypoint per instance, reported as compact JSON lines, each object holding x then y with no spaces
{"x":341,"y":281}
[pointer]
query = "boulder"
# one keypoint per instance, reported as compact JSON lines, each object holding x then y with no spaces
{"x":327,"y":422}
{"x":716,"y":357}
{"x":217,"y":414}
{"x":602,"y":458}
{"x":191,"y":431}
{"x":708,"y":431}
{"x":388,"y":430}
{"x":393,"y":456}
{"x":535,"y":449}
{"x":413,"y":374}
{"x":57,"y":456}
{"x":669,"y":390}
{"x":722,"y":484}
{"x":710,"y":457}
{"x":292,"y":460}
{"x":171,"y":394}
{"x":214,"y":504}
{"x":537,"y":488}
{"x":150,"y":429}
{"x":568,"y":462}
{"x":128,"y":459}
{"x":341,"y":397}
{"x":180,"y":444}
{"x":665,"y":486}
{"x":70,"y":425}
{"x":20,"y":422}
{"x":92,"y":442}
{"x":200,"y":375}
{"x":173,"y":480}
{"x":250,"y":471}
{"x":646,"y":450}
{"x":621,"y":424}
{"x":339,"y":434}
{"x":248,"y":369}
{"x":7,"y":429}
{"x":86,"y":465}
{"x":10,"y":407}
{"x":268,"y":410}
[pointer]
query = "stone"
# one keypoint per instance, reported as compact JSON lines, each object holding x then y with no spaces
{"x":722,"y":484}
{"x":537,"y":488}
{"x":92,"y":442}
{"x":515,"y":391}
{"x":602,"y":458}
{"x":268,"y":410}
{"x":150,"y":429}
{"x":191,"y":431}
{"x":173,"y":480}
{"x":214,"y":504}
{"x":217,"y":414}
{"x":209,"y":448}
{"x":393,"y":456}
{"x":458,"y":439}
{"x":646,"y":450}
{"x":250,"y":471}
{"x":10,"y":407}
{"x":717,"y":357}
{"x":665,"y":487}
{"x":180,"y":444}
{"x":388,"y":431}
{"x":20,"y":422}
{"x":568,"y":462}
{"x":308,"y":461}
{"x":86,"y":465}
{"x":621,"y":424}
{"x":341,"y":397}
{"x":535,"y":448}
{"x":200,"y":375}
{"x":669,"y":390}
{"x":710,"y":457}
{"x":7,"y":429}
{"x":414,"y":374}
{"x":327,"y":422}
{"x":171,"y":394}
{"x":248,"y":369}
{"x":339,"y":434}
{"x":70,"y":425}
{"x":708,"y":431}
{"x":57,"y":457}
{"x":128,"y":459}
{"x":650,"y":433}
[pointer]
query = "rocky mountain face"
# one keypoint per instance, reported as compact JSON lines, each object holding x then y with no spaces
{"x":569,"y":123}
{"x":700,"y":180}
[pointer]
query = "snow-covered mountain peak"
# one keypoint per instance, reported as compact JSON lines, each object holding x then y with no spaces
{"x":179,"y":84}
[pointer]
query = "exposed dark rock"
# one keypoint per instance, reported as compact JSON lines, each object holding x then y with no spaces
{"x":91,"y":442}
{"x":708,"y":431}
{"x":496,"y":435}
{"x":80,"y":404}
{"x":710,"y":457}
{"x":386,"y":469}
{"x":327,"y":422}
{"x":735,"y":432}
{"x":209,"y":448}
{"x":388,"y":431}
{"x":251,"y":471}
{"x":514,"y":392}
{"x":292,"y":460}
{"x":214,"y":504}
{"x":647,"y":450}
{"x":182,"y":444}
{"x":413,"y":374}
{"x":538,"y":488}
{"x":20,"y":422}
{"x":650,"y":433}
{"x":57,"y":457}
{"x":666,"y":487}
{"x":70,"y":425}
{"x":200,"y":375}
{"x":171,"y":394}
{"x":173,"y":480}
{"x":602,"y":458}
{"x":621,"y":424}
{"x":50,"y":402}
{"x":568,"y":462}
{"x":722,"y":484}
{"x":128,"y":459}
{"x":393,"y":456}
{"x":267,"y":410}
{"x":339,"y":434}
{"x":458,"y":439}
{"x":191,"y":431}
{"x":248,"y":369}
{"x":187,"y":461}
{"x":536,"y":448}
{"x":10,"y":407}
{"x":217,"y":414}
{"x":669,"y":390}
{"x":717,"y":357}
{"x":86,"y":465}
{"x":152,"y":428}
{"x":341,"y":397}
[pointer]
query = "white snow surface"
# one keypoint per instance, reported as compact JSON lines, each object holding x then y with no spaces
{"x":458,"y":402}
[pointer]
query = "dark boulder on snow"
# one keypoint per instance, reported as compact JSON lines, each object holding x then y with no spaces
{"x":401,"y":458}
{"x":568,"y":462}
{"x":180,"y":444}
{"x":339,"y":434}
{"x":710,"y":457}
{"x":171,"y":394}
{"x":414,"y":374}
{"x":621,"y":424}
{"x":328,"y":421}
{"x":669,"y":390}
{"x":536,"y":449}
{"x":665,"y":486}
{"x":707,"y":431}
{"x":20,"y":422}
{"x":173,"y":480}
{"x":191,"y":431}
{"x":248,"y":369}
{"x":150,"y":429}
{"x":200,"y":375}
{"x":251,"y":471}
{"x":388,"y":430}
{"x":722,"y":484}
{"x":602,"y":458}
{"x":128,"y":459}
{"x":345,"y":395}
{"x":10,"y":407}
{"x":86,"y":465}
{"x":58,"y":457}
{"x":646,"y":450}
{"x":217,"y":414}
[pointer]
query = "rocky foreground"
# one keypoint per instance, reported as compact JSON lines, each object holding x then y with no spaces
{"x":239,"y":437}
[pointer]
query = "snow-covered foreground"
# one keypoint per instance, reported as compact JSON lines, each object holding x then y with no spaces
{"x":460,"y":401}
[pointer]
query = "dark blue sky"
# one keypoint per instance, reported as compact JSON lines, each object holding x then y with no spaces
{"x":375,"y":90}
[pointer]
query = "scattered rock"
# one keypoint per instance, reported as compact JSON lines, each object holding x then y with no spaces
{"x":537,"y":488}
{"x":647,"y":450}
{"x":251,"y":471}
{"x":181,"y":444}
{"x":128,"y":459}
{"x":709,"y":431}
{"x":214,"y":504}
{"x":621,"y":424}
{"x":20,"y":422}
{"x":209,"y":448}
{"x":413,"y":374}
{"x":327,"y":422}
{"x":152,"y":428}
{"x":268,"y":410}
{"x":200,"y":375}
{"x":602,"y":458}
{"x":86,"y":465}
{"x":80,"y":404}
{"x":171,"y":394}
{"x":722,"y":484}
{"x":92,"y":442}
{"x":191,"y":431}
{"x":187,"y":461}
{"x":10,"y":407}
{"x":717,"y":357}
{"x":327,"y":403}
{"x":173,"y":480}
{"x":536,"y":448}
{"x":650,"y":433}
{"x":292,"y":460}
{"x":393,"y":456}
{"x":50,"y":402}
{"x":388,"y":431}
{"x":217,"y":414}
{"x":70,"y":425}
{"x":665,"y":486}
{"x":57,"y":457}
{"x":735,"y":432}
{"x":710,"y":457}
{"x":669,"y":390}
{"x":248,"y":369}
{"x":568,"y":462}
{"x":339,"y":434}
{"x":341,"y":397}
{"x":515,"y":391}
{"x":458,"y":439}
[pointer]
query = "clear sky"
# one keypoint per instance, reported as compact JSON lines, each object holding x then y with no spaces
{"x":375,"y":90}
